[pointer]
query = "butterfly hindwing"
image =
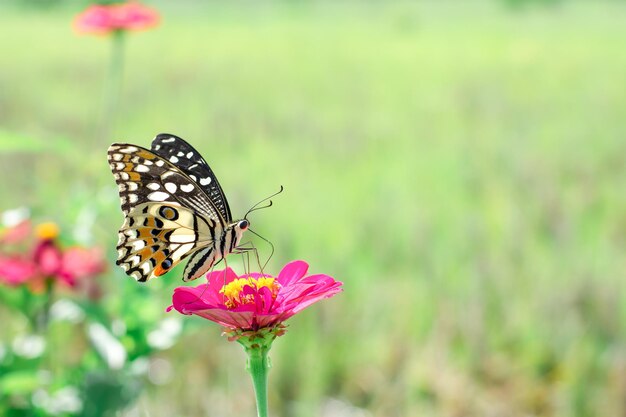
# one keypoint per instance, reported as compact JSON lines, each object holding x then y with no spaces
{"x":155,"y":237}
{"x":177,"y":151}
{"x":199,"y":263}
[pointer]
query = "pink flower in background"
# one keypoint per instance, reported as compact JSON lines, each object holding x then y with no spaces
{"x":104,"y":19}
{"x":48,"y":257}
{"x":40,"y":257}
{"x":16,"y":270}
{"x":17,"y":233}
{"x":78,"y":263}
{"x":254,"y":301}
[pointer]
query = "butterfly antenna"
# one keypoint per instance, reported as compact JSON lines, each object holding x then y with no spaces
{"x":256,"y":206}
{"x":268,"y":242}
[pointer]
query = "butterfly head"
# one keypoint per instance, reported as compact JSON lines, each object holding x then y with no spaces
{"x":238,"y":227}
{"x":243,"y":224}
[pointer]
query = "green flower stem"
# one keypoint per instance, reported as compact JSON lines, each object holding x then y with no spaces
{"x":44,"y":315}
{"x":258,"y":366}
{"x":113,"y":87}
{"x":257,"y":345}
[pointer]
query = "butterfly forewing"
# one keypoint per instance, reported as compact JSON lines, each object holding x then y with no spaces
{"x":168,"y":216}
{"x":177,"y":151}
{"x":143,"y":176}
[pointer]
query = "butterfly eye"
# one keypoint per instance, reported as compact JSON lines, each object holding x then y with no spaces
{"x":243,"y":225}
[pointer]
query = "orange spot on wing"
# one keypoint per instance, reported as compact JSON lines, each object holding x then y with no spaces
{"x":145,"y":154}
{"x":144,"y":233}
{"x":145,"y":253}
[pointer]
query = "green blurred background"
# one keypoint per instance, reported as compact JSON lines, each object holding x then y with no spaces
{"x":459,"y":165}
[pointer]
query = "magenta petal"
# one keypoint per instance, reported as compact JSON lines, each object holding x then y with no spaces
{"x":48,"y":258}
{"x":217,"y":279}
{"x":15,"y":271}
{"x":186,"y":300}
{"x":263,"y":300}
{"x":233,"y":320}
{"x":291,"y":272}
{"x":313,"y":298}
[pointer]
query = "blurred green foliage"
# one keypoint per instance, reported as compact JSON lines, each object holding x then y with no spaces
{"x":459,"y":166}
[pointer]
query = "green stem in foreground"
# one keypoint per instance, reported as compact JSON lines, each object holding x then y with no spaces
{"x":257,"y":345}
{"x":258,"y":367}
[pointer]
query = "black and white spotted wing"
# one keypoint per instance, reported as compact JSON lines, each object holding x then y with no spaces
{"x":168,"y":216}
{"x":184,"y":156}
{"x":143,"y":176}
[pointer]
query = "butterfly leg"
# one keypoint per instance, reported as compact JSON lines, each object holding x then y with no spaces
{"x":244,"y":250}
{"x":205,"y":287}
{"x":251,"y":248}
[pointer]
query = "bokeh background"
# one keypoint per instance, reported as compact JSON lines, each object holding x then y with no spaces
{"x":459,"y":165}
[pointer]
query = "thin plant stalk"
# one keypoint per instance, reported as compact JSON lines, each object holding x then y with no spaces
{"x":113,"y":86}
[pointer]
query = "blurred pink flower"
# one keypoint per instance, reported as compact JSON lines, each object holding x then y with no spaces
{"x":104,"y":19}
{"x":16,"y":270}
{"x":254,"y":301}
{"x":48,"y":257}
{"x":42,"y":258}
{"x":79,"y":263}
{"x":16,"y":234}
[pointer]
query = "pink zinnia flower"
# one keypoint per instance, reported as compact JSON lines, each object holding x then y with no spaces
{"x":104,"y":19}
{"x":254,"y":301}
{"x":17,"y":233}
{"x":43,"y":258}
{"x":16,"y":270}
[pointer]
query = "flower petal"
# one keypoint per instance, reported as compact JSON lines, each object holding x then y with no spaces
{"x":15,"y":270}
{"x":188,"y":299}
{"x":217,"y":279}
{"x":17,"y":233}
{"x":102,"y":19}
{"x":291,"y":272}
{"x":48,"y":258}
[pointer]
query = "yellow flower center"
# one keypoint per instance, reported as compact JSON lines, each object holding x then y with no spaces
{"x":233,"y":291}
{"x":47,"y":231}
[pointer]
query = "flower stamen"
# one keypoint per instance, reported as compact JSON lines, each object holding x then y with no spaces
{"x":242,"y":291}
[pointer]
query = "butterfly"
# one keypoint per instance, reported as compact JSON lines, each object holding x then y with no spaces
{"x":173,"y":208}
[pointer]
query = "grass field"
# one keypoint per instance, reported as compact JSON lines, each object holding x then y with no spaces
{"x":460,"y":166}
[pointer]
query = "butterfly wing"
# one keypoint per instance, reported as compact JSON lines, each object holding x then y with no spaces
{"x":184,"y":156}
{"x":167,"y":215}
{"x":155,"y":237}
